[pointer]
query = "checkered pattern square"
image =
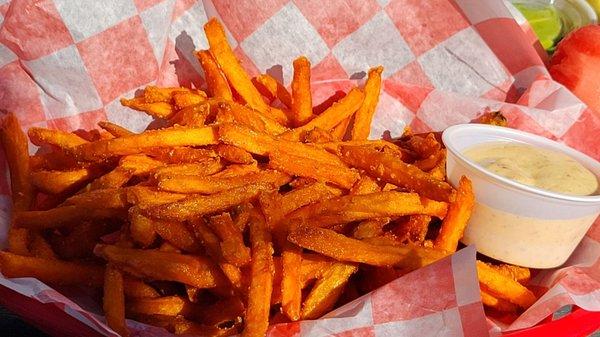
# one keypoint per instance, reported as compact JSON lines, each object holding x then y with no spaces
{"x":65,"y":64}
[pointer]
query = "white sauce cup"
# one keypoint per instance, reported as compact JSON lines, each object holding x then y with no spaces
{"x":513,"y":222}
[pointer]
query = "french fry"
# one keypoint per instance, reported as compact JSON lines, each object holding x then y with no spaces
{"x":181,"y":154}
{"x":79,"y":242}
{"x":439,"y":171}
{"x":234,"y":154}
{"x":370,"y":228}
{"x":519,"y":274}
{"x":174,"y":136}
{"x":313,"y":266}
{"x":241,"y":215}
{"x":350,"y":208}
{"x":39,"y":247}
{"x":167,"y":306}
{"x":212,"y":185}
{"x":56,"y":160}
{"x":14,"y":143}
{"x":504,"y":287}
{"x":274,"y":89}
{"x":394,"y":171}
{"x":496,"y":303}
{"x":114,"y":300}
{"x":64,"y":216}
{"x":113,"y":179}
{"x":424,"y":146}
{"x":141,"y":228}
{"x":237,"y":76}
{"x":236,"y":170}
{"x":378,"y":145}
{"x":291,"y":283}
{"x":146,"y":197}
{"x":331,"y":117}
{"x":51,"y":271}
{"x":191,"y":116}
{"x":135,"y":288}
{"x":429,"y":163}
{"x":196,"y":206}
{"x":139,"y":164}
{"x":414,"y":229}
{"x":232,"y":245}
{"x":339,"y":131}
{"x":105,"y":198}
{"x":327,"y":290}
{"x":342,"y":248}
{"x":114,"y":129}
{"x":221,"y":312}
{"x":306,"y":167}
{"x":231,"y":112}
{"x":154,"y":94}
{"x":60,"y":139}
{"x":261,"y":281}
{"x":301,"y":96}
{"x":455,"y":222}
{"x":363,"y":117}
{"x":18,"y":240}
{"x":177,"y":234}
{"x":157,"y":109}
{"x":217,"y":83}
{"x":56,"y":182}
{"x":317,"y":135}
{"x":365,"y":185}
{"x":203,"y":168}
{"x":196,"y":271}
{"x":182,"y":100}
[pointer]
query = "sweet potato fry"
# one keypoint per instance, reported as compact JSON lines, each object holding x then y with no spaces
{"x":414,"y":229}
{"x":64,"y":216}
{"x":216,"y":81}
{"x":318,"y":135}
{"x":342,"y":248}
{"x":301,"y":96}
{"x":430,"y":162}
{"x":182,"y":100}
{"x":236,"y":170}
{"x":141,"y":228}
{"x":261,"y":280}
{"x":177,"y":234}
{"x":181,"y":154}
{"x":139,"y":164}
{"x":232,"y":245}
{"x":154,"y":94}
{"x":51,"y":271}
{"x":14,"y":143}
{"x":114,"y":129}
{"x":234,"y":154}
{"x":196,"y":271}
{"x":327,"y":290}
{"x":56,"y":182}
{"x":79,"y":242}
{"x":39,"y":247}
{"x":273,"y":89}
{"x":212,"y":185}
{"x":56,"y":160}
{"x":423,"y":145}
{"x":363,"y":117}
{"x":58,"y":138}
{"x":519,"y":274}
{"x":291,"y":283}
{"x":313,"y":266}
{"x":195,"y":206}
{"x":350,"y":208}
{"x":496,"y":303}
{"x":18,"y":240}
{"x":394,"y":171}
{"x":339,"y":131}
{"x":135,"y":288}
{"x":174,"y":136}
{"x":305,"y":167}
{"x":439,"y":171}
{"x":370,"y":228}
{"x":504,"y":287}
{"x":145,"y":197}
{"x":237,"y":76}
{"x":167,"y":306}
{"x":104,"y":198}
{"x":113,"y":179}
{"x":199,"y":169}
{"x":331,"y":117}
{"x":365,"y":185}
{"x":157,"y":109}
{"x":114,"y":301}
{"x":455,"y":222}
{"x":231,"y":112}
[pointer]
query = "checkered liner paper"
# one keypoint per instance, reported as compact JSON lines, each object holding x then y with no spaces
{"x":65,"y":64}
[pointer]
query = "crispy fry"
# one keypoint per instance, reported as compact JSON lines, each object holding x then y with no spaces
{"x":349,"y":208}
{"x":306,"y":167}
{"x":113,"y":179}
{"x":496,"y":303}
{"x":177,"y":234}
{"x":439,"y":171}
{"x":199,"y":169}
{"x":60,"y":139}
{"x":114,"y":129}
{"x":504,"y":287}
{"x":331,"y":117}
{"x":135,"y":288}
{"x":167,"y":306}
{"x":183,"y":100}
{"x":174,"y":136}
{"x":339,"y":131}
{"x":423,"y":145}
{"x":14,"y":143}
{"x":236,"y":170}
{"x":301,"y":96}
{"x":154,"y":94}
{"x":191,"y":116}
{"x":363,"y":117}
{"x":519,"y":274}
{"x":56,"y":182}
{"x":414,"y":229}
{"x":261,"y":281}
{"x":141,"y":228}
{"x":18,"y":240}
{"x":230,"y":112}
{"x":217,"y":83}
{"x":317,"y":135}
{"x":51,"y":271}
{"x":370,"y":228}
{"x":394,"y":171}
{"x":39,"y":247}
{"x":430,"y":162}
{"x":104,"y":198}
{"x":63,"y":216}
{"x":273,"y":89}
{"x":237,"y":76}
{"x":327,"y":290}
{"x":157,"y":110}
{"x":114,"y":301}
{"x":196,"y":271}
{"x":195,"y":206}
{"x":181,"y":154}
{"x":455,"y":222}
{"x":234,"y":154}
{"x":56,"y":160}
{"x":139,"y":164}
{"x":145,"y":197}
{"x":340,"y":247}
{"x":365,"y":185}
{"x":232,"y":245}
{"x":79,"y":242}
{"x":212,"y":185}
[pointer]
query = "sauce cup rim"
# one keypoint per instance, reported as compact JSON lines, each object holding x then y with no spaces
{"x":447,"y":138}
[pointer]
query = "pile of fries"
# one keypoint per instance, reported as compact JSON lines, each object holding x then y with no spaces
{"x":236,"y":213}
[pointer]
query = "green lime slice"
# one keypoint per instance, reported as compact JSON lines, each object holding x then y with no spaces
{"x":545,"y":21}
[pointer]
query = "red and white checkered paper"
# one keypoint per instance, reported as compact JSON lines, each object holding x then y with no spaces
{"x":64,"y":64}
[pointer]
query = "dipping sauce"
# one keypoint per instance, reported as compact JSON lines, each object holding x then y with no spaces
{"x":534,"y":166}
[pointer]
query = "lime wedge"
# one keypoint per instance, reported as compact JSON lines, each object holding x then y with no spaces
{"x":545,"y":21}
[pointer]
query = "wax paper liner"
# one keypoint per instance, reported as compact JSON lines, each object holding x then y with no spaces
{"x":64,"y":64}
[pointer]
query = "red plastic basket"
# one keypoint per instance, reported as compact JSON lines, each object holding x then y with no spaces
{"x":55,"y":322}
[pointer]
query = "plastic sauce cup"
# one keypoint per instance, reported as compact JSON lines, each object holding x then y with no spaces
{"x":513,"y":222}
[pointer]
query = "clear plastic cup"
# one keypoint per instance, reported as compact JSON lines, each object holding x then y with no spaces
{"x":513,"y":222}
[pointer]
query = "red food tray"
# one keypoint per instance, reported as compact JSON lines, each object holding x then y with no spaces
{"x":55,"y":322}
